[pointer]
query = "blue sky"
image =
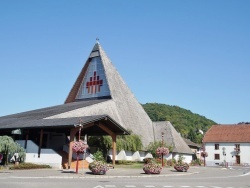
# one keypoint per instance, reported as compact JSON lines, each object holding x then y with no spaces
{"x":194,"y":54}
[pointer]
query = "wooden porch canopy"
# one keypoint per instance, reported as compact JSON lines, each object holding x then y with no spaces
{"x":97,"y":125}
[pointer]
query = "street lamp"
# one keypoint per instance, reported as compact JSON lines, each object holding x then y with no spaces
{"x":79,"y":138}
{"x":162,"y":164}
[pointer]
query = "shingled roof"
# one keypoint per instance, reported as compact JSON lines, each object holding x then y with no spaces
{"x":171,"y":137}
{"x":228,"y":133}
{"x":99,"y":90}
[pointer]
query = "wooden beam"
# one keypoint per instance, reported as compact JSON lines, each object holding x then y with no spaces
{"x":87,"y":126}
{"x":107,"y":130}
{"x":41,"y":142}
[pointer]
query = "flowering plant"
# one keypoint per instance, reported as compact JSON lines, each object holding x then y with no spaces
{"x":152,"y":168}
{"x":204,"y":154}
{"x":181,"y":167}
{"x":98,"y":167}
{"x":80,"y":146}
{"x":162,"y":151}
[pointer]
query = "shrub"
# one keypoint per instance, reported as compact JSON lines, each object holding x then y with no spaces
{"x":29,"y":166}
{"x":196,"y":162}
{"x":98,"y":156}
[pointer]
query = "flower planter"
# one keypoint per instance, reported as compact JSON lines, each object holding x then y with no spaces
{"x":99,"y":172}
{"x":181,"y":167}
{"x":152,"y":168}
{"x":98,"y":167}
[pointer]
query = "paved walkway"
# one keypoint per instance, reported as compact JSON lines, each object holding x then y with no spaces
{"x":86,"y":173}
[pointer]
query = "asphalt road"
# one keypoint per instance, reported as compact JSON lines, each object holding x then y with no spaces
{"x":201,"y":178}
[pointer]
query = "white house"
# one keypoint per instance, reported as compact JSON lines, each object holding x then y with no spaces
{"x":228,"y":144}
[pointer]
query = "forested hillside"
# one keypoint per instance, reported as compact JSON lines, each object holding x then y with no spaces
{"x":184,"y":121}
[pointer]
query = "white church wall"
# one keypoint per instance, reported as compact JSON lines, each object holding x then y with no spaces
{"x":136,"y":156}
{"x":187,"y":158}
{"x":122,"y":156}
{"x":47,"y":156}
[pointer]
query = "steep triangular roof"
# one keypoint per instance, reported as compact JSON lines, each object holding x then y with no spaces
{"x":171,"y":137}
{"x":99,"y":79}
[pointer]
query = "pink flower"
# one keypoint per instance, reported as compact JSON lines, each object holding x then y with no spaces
{"x":162,"y":150}
{"x":79,"y":146}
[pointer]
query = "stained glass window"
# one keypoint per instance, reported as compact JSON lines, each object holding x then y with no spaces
{"x":94,"y":83}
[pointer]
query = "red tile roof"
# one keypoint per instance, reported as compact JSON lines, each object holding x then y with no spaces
{"x":228,"y":133}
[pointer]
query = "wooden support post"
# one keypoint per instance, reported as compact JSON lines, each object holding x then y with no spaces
{"x":26,"y":140}
{"x":73,"y":131}
{"x":113,"y":149}
{"x":113,"y":135}
{"x":41,"y":142}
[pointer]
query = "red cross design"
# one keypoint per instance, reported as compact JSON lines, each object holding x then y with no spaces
{"x":94,"y":84}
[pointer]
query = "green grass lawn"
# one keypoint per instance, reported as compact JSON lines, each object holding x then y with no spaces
{"x":129,"y":165}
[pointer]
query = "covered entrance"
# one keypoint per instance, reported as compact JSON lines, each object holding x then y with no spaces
{"x":53,"y":134}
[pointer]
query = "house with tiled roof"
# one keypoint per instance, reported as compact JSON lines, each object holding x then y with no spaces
{"x":195,"y":148}
{"x":228,"y":144}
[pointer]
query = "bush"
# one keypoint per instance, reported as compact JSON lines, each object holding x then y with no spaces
{"x":196,"y":162}
{"x":123,"y":162}
{"x":98,"y":156}
{"x":23,"y":166}
{"x":171,"y":162}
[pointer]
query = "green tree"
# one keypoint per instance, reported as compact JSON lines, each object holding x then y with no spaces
{"x":192,"y":135}
{"x":184,"y":121}
{"x":9,"y":147}
{"x":130,"y":142}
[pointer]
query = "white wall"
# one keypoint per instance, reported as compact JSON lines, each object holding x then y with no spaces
{"x":230,"y":153}
{"x":139,"y":156}
{"x":187,"y":158}
{"x":47,"y":156}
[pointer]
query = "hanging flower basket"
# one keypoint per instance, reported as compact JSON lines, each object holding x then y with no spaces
{"x":98,"y":167}
{"x":79,"y":146}
{"x":204,"y":154}
{"x":152,"y":168}
{"x":181,"y":167}
{"x":162,"y":151}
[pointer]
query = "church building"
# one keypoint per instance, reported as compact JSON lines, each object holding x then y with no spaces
{"x":99,"y":103}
